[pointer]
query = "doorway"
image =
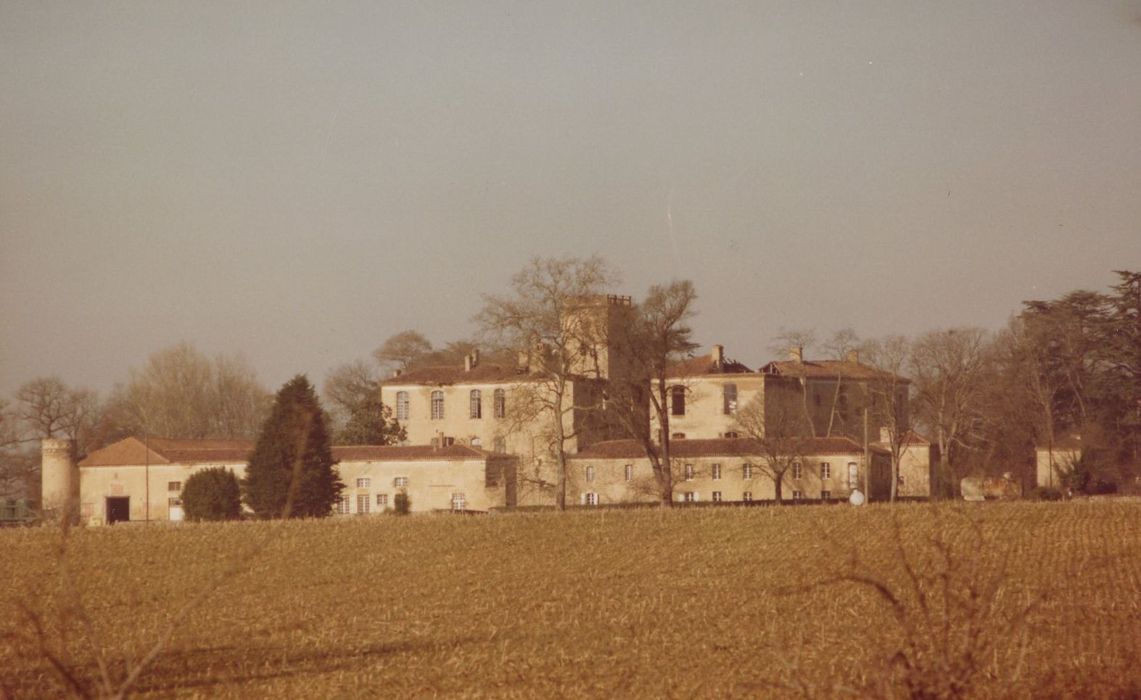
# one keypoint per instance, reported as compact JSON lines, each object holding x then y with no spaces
{"x":118,"y":509}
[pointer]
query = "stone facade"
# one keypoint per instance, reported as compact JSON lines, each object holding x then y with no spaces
{"x":723,"y":470}
{"x":133,"y":480}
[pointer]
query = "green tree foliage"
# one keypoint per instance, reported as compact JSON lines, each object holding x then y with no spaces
{"x":291,"y":471}
{"x":1087,"y":348}
{"x":212,"y":494}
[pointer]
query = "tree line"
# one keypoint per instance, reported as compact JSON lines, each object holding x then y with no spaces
{"x":1060,"y":368}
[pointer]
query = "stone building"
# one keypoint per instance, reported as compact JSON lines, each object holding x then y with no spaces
{"x":725,"y":470}
{"x":138,"y":481}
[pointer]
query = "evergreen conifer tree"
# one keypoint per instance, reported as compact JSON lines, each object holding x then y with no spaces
{"x":293,"y":457}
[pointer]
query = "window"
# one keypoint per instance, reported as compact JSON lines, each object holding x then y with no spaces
{"x":402,"y":405}
{"x":499,"y":445}
{"x":715,"y":472}
{"x":746,"y":471}
{"x":400,"y":482}
{"x":689,"y":472}
{"x":677,"y":401}
{"x":825,"y":470}
{"x":797,"y":495}
{"x":796,"y":470}
{"x":362,"y":503}
{"x":174,"y":486}
{"x":732,"y":434}
{"x":500,"y":400}
{"x":729,"y":399}
{"x":825,"y":495}
{"x":437,"y":405}
{"x":747,"y":496}
{"x":363,"y":482}
{"x":476,"y":404}
{"x":590,"y":498}
{"x":853,"y":475}
{"x":717,"y":496}
{"x":677,"y":436}
{"x":589,"y":474}
{"x":458,"y":501}
{"x":689,"y":497}
{"x":629,"y":472}
{"x":382,"y":500}
{"x":343,"y":504}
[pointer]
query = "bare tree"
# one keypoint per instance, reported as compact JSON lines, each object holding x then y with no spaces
{"x":403,"y":350}
{"x":181,"y":393}
{"x":775,"y":437}
{"x":358,"y":416}
{"x":948,"y":368}
{"x":533,"y":317}
{"x":49,"y":408}
{"x":803,"y":338}
{"x":840,"y":346}
{"x":657,"y":338}
{"x":889,"y":398}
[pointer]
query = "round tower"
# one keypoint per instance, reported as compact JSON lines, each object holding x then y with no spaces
{"x":59,"y":475}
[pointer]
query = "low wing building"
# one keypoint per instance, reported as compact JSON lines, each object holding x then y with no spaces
{"x":141,"y":480}
{"x":726,"y":470}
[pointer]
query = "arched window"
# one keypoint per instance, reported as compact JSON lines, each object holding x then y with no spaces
{"x":402,"y":405}
{"x":500,"y":399}
{"x":476,"y":404}
{"x":437,"y":405}
{"x":677,"y":400}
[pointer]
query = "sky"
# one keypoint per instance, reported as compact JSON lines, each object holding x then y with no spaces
{"x":294,"y":182}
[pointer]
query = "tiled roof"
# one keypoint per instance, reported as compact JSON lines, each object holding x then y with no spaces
{"x":720,"y":447}
{"x":704,"y":364}
{"x":132,"y":450}
{"x":378,"y":453}
{"x":827,"y":369}
{"x":456,"y":374}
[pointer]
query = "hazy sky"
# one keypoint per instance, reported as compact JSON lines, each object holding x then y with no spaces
{"x":295,"y":182}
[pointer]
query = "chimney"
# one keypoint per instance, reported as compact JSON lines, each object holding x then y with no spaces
{"x":718,"y":355}
{"x":467,"y":363}
{"x":854,"y":356}
{"x":475,"y":357}
{"x":796,"y":354}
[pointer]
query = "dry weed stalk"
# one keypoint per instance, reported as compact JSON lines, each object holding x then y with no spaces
{"x":71,"y":612}
{"x":949,"y":608}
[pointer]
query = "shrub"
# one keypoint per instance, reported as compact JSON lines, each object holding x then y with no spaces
{"x":1044,"y":493}
{"x":212,"y":494}
{"x":401,"y":503}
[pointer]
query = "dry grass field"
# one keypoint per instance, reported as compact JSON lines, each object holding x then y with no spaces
{"x":995,"y":600}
